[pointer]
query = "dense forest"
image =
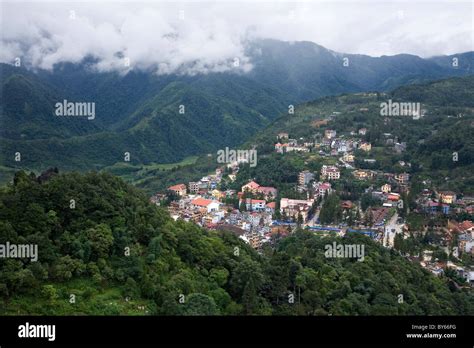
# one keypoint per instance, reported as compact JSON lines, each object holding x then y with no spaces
{"x":104,"y":249}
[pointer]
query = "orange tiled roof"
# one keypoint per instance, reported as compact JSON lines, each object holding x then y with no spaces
{"x":177,"y":187}
{"x":202,"y":202}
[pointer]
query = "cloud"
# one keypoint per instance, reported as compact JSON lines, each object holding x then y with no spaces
{"x":201,"y":37}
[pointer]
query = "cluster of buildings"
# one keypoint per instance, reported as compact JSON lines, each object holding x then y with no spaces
{"x":444,"y":202}
{"x":255,"y":218}
{"x":285,"y":144}
{"x":457,"y":240}
{"x":203,"y":203}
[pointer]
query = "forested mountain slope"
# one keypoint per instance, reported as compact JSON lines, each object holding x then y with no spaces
{"x":139,"y":111}
{"x":116,"y":253}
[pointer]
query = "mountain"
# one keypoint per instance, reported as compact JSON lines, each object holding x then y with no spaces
{"x":138,"y":112}
{"x":118,"y":254}
{"x":218,"y":112}
{"x":430,"y":141}
{"x":306,"y":70}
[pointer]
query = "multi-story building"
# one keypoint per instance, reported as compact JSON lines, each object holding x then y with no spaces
{"x":348,"y":157}
{"x":330,"y":133}
{"x":365,"y":146}
{"x":305,"y":177}
{"x":179,"y":189}
{"x":194,"y":186}
{"x":322,"y":189}
{"x":402,"y":178}
{"x":447,"y":197}
{"x":362,"y":174}
{"x":387,"y":188}
{"x":330,"y":172}
{"x":251,"y":186}
{"x":294,"y":207}
{"x":254,"y":204}
{"x":208,"y":204}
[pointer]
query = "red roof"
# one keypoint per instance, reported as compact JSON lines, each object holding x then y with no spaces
{"x":267,"y":189}
{"x":393,"y":197}
{"x":251,"y":201}
{"x":465,"y":225}
{"x":178,"y":187}
{"x":202,"y":202}
{"x":271,"y":205}
{"x":346,"y":204}
{"x":252,"y":185}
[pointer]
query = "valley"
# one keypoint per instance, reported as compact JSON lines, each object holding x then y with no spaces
{"x":165,"y":221}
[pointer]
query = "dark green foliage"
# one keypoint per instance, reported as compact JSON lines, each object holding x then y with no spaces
{"x":331,"y":211}
{"x":119,"y":254}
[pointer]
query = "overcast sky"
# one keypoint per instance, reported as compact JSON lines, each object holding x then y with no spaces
{"x":207,"y":35}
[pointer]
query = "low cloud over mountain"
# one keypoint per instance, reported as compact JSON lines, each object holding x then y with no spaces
{"x":200,"y":38}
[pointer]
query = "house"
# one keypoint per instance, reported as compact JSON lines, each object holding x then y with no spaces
{"x":270,"y":207}
{"x":402,"y":178}
{"x":400,"y":147}
{"x":251,"y":186}
{"x":267,"y":191}
{"x":432,"y":207}
{"x":281,"y":148}
{"x":282,"y":135}
{"x":217,"y":194}
{"x":305,"y":177}
{"x":362,"y":174}
{"x":363,"y":131}
{"x":194,"y":186}
{"x":379,"y":215}
{"x":466,"y":227}
{"x":395,"y":197}
{"x":365,"y":146}
{"x":179,"y":190}
{"x":348,"y":157}
{"x":329,"y":133}
{"x":254,"y":204}
{"x":208,"y":204}
{"x":387,"y":188}
{"x":330,"y":172}
{"x":323,"y":189}
{"x":447,"y":197}
{"x":295,"y":207}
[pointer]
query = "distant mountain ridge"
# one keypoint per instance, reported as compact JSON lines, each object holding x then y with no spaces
{"x":139,"y":112}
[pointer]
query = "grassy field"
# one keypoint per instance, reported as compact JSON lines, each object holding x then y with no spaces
{"x":135,"y":174}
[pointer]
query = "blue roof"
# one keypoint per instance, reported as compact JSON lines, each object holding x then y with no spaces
{"x":322,"y":228}
{"x":367,"y":232}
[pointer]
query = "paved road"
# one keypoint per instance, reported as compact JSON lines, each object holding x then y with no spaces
{"x":391,"y":229}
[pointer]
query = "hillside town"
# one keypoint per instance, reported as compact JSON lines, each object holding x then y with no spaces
{"x":258,"y":214}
